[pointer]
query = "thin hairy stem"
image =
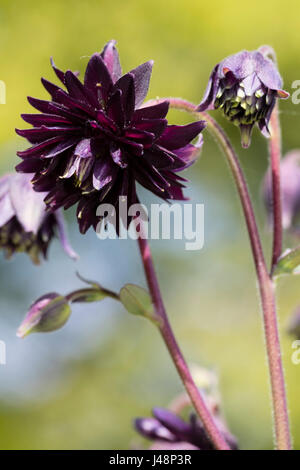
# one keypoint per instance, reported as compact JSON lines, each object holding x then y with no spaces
{"x":266,"y":287}
{"x":275,"y":156}
{"x":175,"y":352}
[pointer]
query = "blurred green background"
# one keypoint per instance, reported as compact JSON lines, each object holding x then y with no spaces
{"x":82,"y":386}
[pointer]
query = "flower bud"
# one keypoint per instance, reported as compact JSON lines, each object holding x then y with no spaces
{"x":48,"y":313}
{"x":245,"y":87}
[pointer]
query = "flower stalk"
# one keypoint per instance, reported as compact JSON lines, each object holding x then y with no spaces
{"x":275,"y":157}
{"x":266,"y":286}
{"x":175,"y":352}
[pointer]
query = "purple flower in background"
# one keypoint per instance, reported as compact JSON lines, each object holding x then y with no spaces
{"x":290,"y":190}
{"x":169,"y":431}
{"x":245,"y":86}
{"x":294,"y":323}
{"x":25,"y":226}
{"x":93,"y":142}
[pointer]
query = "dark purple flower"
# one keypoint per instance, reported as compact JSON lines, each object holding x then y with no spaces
{"x":25,"y":226}
{"x":290,"y":190}
{"x":93,"y":141}
{"x":169,"y":431}
{"x":48,"y":313}
{"x":245,"y":86}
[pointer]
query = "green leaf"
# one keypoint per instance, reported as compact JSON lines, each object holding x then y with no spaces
{"x":137,"y":301}
{"x":288,"y":263}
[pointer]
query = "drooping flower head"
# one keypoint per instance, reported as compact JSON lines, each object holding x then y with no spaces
{"x":290,"y":190}
{"x":245,"y":86}
{"x":169,"y":431}
{"x":93,"y":141}
{"x":25,"y":226}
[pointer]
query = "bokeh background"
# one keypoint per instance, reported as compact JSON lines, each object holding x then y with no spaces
{"x":81,"y":386}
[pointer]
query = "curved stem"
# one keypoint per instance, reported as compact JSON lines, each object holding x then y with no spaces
{"x":175,"y":352}
{"x":275,"y":155}
{"x":266,"y":287}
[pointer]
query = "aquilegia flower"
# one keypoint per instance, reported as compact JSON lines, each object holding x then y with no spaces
{"x":93,"y":142}
{"x":169,"y":431}
{"x":290,"y":190}
{"x":25,"y":226}
{"x":245,"y":86}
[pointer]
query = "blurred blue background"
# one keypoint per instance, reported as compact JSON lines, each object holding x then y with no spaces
{"x":81,"y":386}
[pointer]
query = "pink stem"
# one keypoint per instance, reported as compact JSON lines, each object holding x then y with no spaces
{"x":266,"y":287}
{"x":275,"y":156}
{"x":175,"y":352}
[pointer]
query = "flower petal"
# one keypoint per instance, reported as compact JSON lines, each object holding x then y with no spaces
{"x":86,"y":213}
{"x":6,"y":208}
{"x":50,"y":87}
{"x":154,"y":126}
{"x":211,"y":91}
{"x":59,"y":73}
{"x":68,"y":101}
{"x":267,"y":72}
{"x":152,"y":429}
{"x":63,"y":237}
{"x":4,"y":184}
{"x":97,"y":77}
{"x":118,"y":156}
{"x":175,"y":137}
{"x":30,"y":165}
{"x":189,"y":153}
{"x":126,"y":85}
{"x":40,"y":134}
{"x":28,"y":204}
{"x":142,"y":75}
{"x":157,"y":111}
{"x":104,"y":173}
{"x":60,"y":147}
{"x":111,"y":59}
{"x":83,"y":149}
{"x":38,"y":120}
{"x":40,"y":105}
{"x":137,"y":135}
{"x":78,"y":91}
{"x":115,"y":108}
{"x":39,"y":149}
{"x":172,"y":422}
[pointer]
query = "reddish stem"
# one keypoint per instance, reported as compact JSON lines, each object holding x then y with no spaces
{"x":175,"y":352}
{"x":266,"y":287}
{"x":275,"y":156}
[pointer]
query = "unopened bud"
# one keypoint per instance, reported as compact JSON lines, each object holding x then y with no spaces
{"x":48,"y":313}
